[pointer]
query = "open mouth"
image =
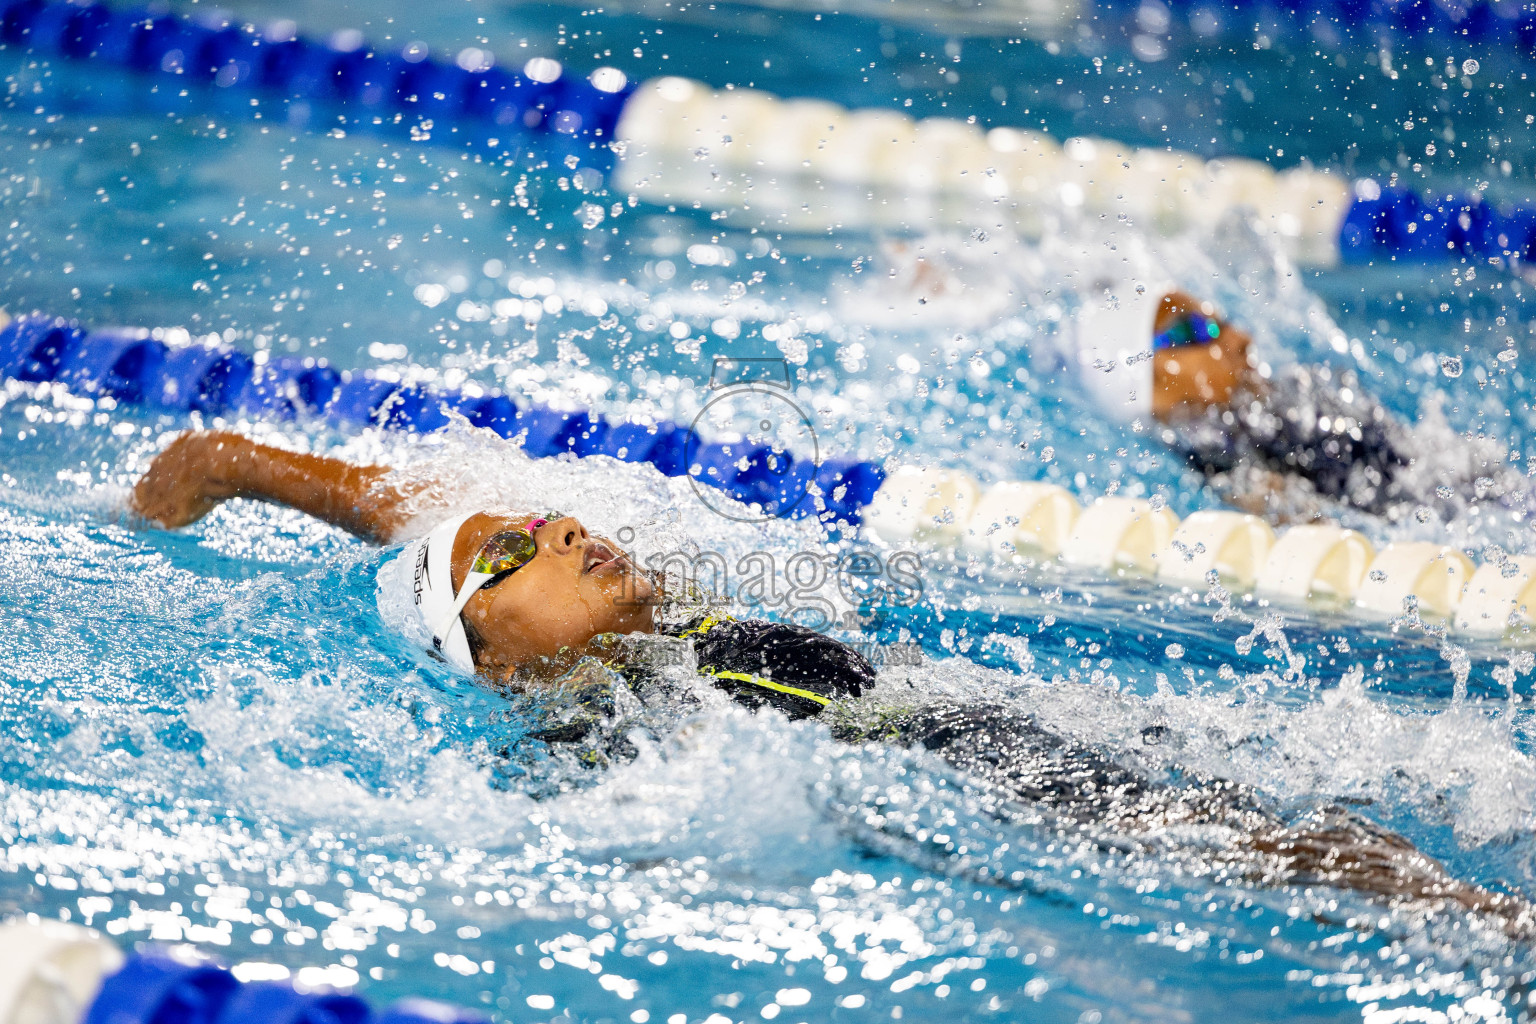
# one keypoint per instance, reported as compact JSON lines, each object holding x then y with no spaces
{"x":600,"y":556}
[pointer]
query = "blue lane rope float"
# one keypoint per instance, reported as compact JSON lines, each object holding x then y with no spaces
{"x":275,"y":1003}
{"x":548,"y":114}
{"x":1394,"y":223}
{"x":156,"y":989}
{"x":148,"y":990}
{"x":469,"y":101}
{"x":133,"y":367}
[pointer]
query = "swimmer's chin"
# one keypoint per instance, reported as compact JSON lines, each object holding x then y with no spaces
{"x":644,"y":588}
{"x":635,"y":586}
{"x":542,"y":672}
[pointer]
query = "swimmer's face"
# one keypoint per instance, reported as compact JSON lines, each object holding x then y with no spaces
{"x":576,"y":587}
{"x":1194,"y":377}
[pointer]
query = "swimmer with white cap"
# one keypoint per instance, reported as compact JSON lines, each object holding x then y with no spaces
{"x":1152,"y":352}
{"x":510,"y":596}
{"x":1281,"y":439}
{"x":494,"y":593}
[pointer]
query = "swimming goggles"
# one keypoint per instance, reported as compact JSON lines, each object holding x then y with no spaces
{"x":501,"y":555}
{"x":1189,"y":329}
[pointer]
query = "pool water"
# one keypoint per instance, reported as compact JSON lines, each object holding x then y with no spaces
{"x":210,"y":738}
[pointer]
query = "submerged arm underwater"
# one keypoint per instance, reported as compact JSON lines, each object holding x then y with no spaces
{"x":1085,"y":790}
{"x":1034,"y":773}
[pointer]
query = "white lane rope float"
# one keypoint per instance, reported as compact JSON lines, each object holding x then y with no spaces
{"x":54,"y":972}
{"x":811,"y":165}
{"x":814,"y":165}
{"x":50,"y":972}
{"x":1120,"y":536}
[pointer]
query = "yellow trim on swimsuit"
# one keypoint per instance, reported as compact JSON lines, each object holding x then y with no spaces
{"x":710,"y":622}
{"x":769,"y":684}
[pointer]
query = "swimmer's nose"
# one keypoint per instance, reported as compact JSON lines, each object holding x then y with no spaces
{"x":563,"y":534}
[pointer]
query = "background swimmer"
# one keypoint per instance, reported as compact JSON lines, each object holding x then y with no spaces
{"x":571,"y":614}
{"x":1274,"y":437}
{"x":1275,"y":442}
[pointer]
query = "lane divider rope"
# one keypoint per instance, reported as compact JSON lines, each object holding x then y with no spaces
{"x":52,"y":972}
{"x":1010,"y":520}
{"x":134,"y":366}
{"x":464,"y":101}
{"x":806,"y":164}
{"x":811,"y":165}
{"x":1320,"y":562}
{"x":1498,"y":22}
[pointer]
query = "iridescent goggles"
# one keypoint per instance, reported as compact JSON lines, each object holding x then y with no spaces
{"x":501,"y":555}
{"x":1189,"y":329}
{"x":506,"y":552}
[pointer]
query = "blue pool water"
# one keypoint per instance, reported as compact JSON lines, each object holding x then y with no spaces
{"x":210,"y":738}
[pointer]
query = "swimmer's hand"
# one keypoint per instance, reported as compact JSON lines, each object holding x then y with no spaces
{"x":189,"y":479}
{"x":201,"y":469}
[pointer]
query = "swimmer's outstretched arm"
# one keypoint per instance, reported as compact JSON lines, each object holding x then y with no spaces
{"x":1350,"y":853}
{"x":200,"y":469}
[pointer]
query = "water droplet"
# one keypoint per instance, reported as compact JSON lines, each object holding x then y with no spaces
{"x":1444,"y":490}
{"x":1378,"y":576}
{"x":1450,"y":366}
{"x":1470,"y":67}
{"x":1175,"y":651}
{"x":1158,"y":502}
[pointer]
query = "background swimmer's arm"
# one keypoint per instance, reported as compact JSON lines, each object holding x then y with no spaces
{"x":200,"y":469}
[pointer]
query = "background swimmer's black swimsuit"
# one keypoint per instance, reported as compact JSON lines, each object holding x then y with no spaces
{"x":1314,"y":422}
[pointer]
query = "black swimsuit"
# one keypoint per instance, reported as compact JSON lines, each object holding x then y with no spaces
{"x":776,"y":664}
{"x":1024,"y":772}
{"x":806,"y":674}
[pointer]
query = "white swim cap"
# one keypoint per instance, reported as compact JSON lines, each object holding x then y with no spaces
{"x":1113,"y":335}
{"x":415,"y":594}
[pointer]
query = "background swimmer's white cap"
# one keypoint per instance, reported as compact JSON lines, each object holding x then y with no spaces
{"x":1113,"y":335}
{"x":415,"y":594}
